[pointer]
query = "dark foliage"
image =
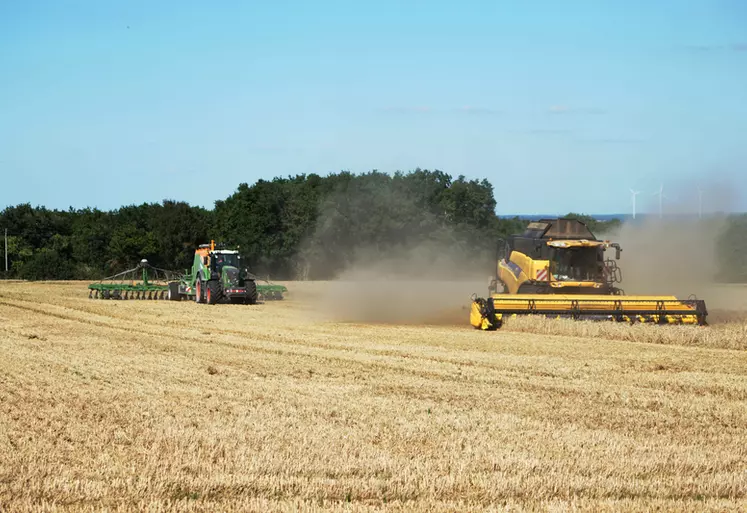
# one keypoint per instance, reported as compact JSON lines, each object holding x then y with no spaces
{"x":731,"y":250}
{"x":305,"y":226}
{"x":597,"y":227}
{"x":89,"y":243}
{"x":299,"y":227}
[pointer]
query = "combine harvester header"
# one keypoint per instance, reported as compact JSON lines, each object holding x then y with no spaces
{"x":557,"y":268}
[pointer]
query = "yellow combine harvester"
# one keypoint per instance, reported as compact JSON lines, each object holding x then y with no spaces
{"x":557,"y":268}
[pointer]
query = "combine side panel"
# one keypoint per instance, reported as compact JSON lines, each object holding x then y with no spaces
{"x":513,"y":274}
{"x":541,"y":270}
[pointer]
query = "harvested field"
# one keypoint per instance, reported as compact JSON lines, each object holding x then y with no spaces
{"x":155,"y":405}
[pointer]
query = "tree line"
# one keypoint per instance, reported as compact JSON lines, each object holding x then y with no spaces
{"x":296,"y":227}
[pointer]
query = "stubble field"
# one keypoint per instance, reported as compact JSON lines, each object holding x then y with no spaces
{"x":308,"y":404}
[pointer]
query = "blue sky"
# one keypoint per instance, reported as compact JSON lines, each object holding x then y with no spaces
{"x":563,"y":106}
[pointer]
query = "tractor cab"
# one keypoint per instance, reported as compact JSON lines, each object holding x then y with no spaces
{"x":215,"y":259}
{"x":224,"y":258}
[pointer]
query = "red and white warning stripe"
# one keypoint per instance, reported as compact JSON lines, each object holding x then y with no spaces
{"x":542,"y":275}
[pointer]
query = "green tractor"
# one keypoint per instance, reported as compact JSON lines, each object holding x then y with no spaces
{"x":218,"y":277}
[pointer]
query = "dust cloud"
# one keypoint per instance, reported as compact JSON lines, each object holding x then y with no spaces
{"x":430,"y":282}
{"x":412,"y":286}
{"x":677,"y":253}
{"x":669,"y":256}
{"x":416,"y":271}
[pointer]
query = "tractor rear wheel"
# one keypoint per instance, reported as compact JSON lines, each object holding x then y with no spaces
{"x":214,"y":291}
{"x":251,"y":292}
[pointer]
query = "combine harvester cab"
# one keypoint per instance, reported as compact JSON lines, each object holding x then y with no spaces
{"x":557,"y":268}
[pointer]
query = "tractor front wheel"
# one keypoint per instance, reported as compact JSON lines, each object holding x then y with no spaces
{"x":251,"y":292}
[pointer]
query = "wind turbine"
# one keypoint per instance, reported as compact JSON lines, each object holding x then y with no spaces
{"x":660,"y":193}
{"x":634,"y":194}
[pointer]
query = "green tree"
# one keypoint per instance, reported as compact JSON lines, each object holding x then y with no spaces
{"x":731,"y":250}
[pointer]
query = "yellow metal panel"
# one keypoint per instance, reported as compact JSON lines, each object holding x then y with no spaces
{"x":522,"y":261}
{"x":476,"y":319}
{"x":537,"y":267}
{"x":644,"y":309}
{"x":585,"y":284}
{"x":586,"y":302}
{"x":581,"y":243}
{"x":515,"y":272}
